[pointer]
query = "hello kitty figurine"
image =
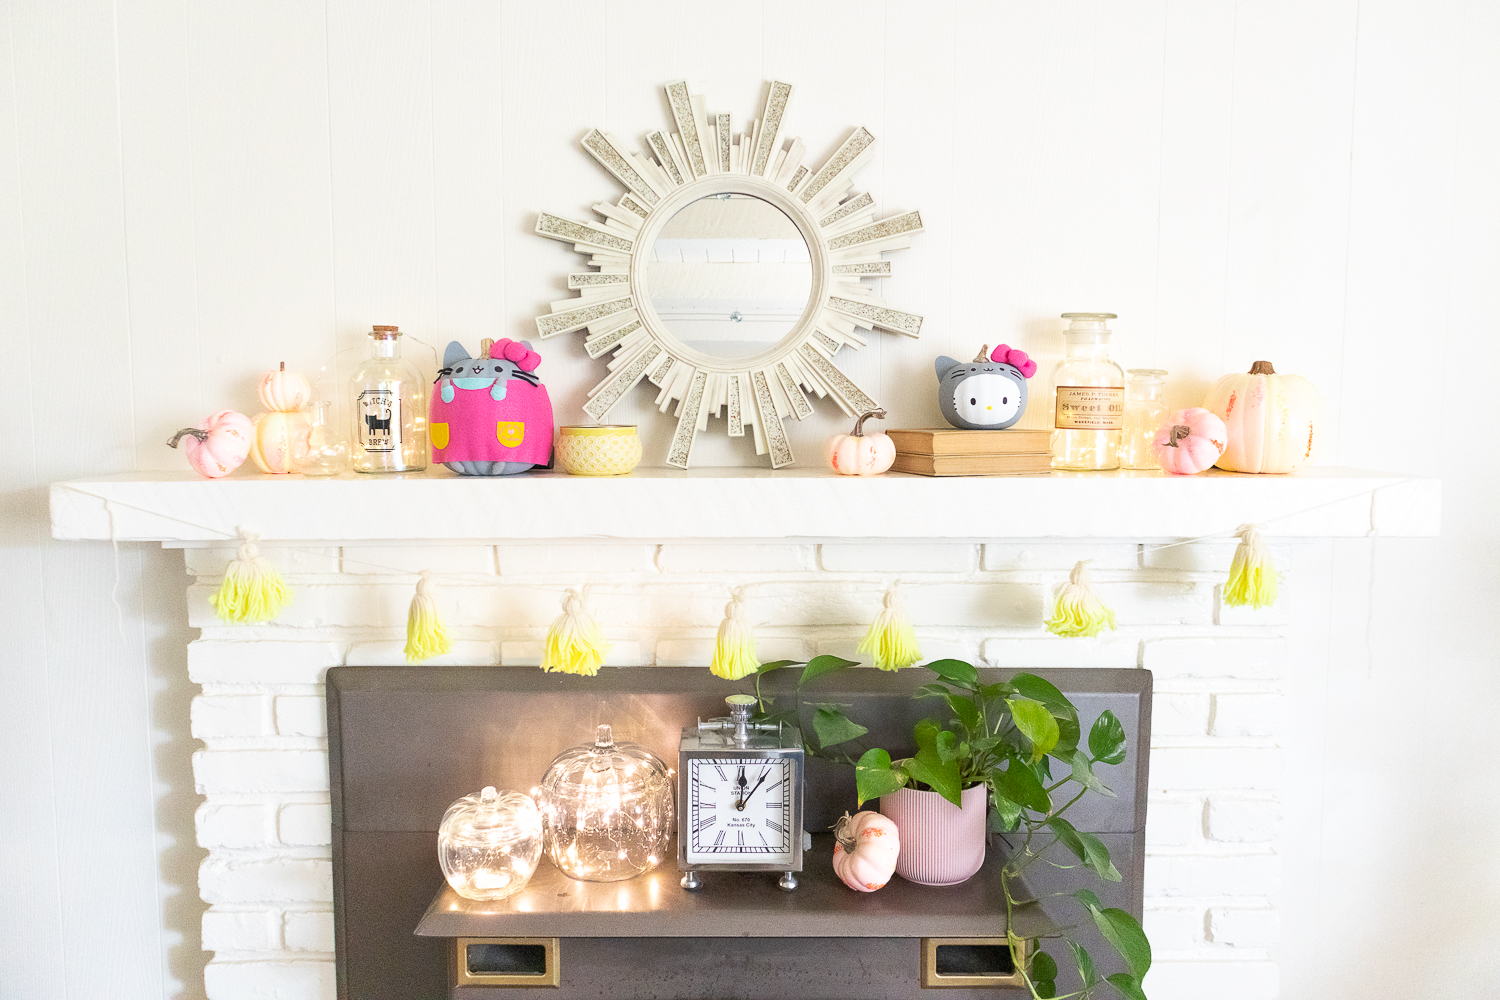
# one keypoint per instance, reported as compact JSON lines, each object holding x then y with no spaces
{"x":490,"y":416}
{"x":986,"y":394}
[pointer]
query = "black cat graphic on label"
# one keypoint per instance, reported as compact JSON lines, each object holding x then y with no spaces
{"x":379,"y":410}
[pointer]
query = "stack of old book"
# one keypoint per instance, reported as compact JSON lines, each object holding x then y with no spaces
{"x":948,"y":451}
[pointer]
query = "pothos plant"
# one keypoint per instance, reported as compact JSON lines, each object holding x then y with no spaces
{"x":1023,"y":740}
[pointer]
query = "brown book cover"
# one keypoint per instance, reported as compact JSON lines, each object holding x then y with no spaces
{"x":974,"y":465}
{"x":952,"y":441}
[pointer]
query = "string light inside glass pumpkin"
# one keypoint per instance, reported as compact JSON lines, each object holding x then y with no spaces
{"x":490,"y":843}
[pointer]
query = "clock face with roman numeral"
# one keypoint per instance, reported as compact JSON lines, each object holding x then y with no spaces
{"x":740,"y":810}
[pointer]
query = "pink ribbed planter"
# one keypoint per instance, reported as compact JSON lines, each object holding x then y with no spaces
{"x":941,"y":844}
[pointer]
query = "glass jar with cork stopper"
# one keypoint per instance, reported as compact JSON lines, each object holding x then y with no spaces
{"x":389,"y":405}
{"x":1088,"y":397}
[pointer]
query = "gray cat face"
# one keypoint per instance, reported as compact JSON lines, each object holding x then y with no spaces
{"x":980,"y":395}
{"x":461,"y":371}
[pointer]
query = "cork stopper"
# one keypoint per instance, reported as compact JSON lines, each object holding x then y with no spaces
{"x":384,"y":332}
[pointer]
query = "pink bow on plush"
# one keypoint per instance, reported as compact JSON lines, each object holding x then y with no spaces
{"x":1017,"y":359}
{"x":524,"y":358}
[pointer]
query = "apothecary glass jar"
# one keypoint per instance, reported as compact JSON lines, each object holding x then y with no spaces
{"x":490,"y":843}
{"x":1088,"y":397}
{"x":1144,"y":413}
{"x":388,"y":398}
{"x":606,"y":810}
{"x":327,"y":451}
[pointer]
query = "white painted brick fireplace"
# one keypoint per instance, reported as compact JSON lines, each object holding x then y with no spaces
{"x":658,"y":586}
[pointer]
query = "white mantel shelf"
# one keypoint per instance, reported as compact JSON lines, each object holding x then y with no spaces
{"x":439,"y":506}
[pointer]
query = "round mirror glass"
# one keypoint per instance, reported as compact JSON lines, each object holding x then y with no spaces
{"x":729,"y":275}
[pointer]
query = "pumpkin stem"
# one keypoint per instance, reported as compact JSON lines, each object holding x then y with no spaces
{"x":841,"y":833}
{"x":1262,"y":368}
{"x":1179,"y":431}
{"x":984,"y":354}
{"x":283,"y":366}
{"x":859,"y":425}
{"x":201,"y":435}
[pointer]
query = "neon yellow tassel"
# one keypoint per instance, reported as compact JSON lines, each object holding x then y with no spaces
{"x":734,"y":649}
{"x":425,"y":636}
{"x":891,"y":641}
{"x":252,"y":590}
{"x":574,"y":643}
{"x":1252,"y":574}
{"x":1078,"y":610}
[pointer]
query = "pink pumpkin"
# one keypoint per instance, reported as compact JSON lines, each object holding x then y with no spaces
{"x":861,"y":454}
{"x":1190,"y":441}
{"x":865,"y":849}
{"x":218,"y":446}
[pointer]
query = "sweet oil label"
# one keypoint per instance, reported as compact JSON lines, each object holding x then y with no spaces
{"x":379,"y":421}
{"x":1090,"y":408}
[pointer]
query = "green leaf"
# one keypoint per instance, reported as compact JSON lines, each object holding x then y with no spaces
{"x":1067,"y":835}
{"x":1083,"y":773}
{"x":1045,"y":988}
{"x":949,"y":748}
{"x":1107,"y":739}
{"x":1067,"y":737}
{"x":874,"y":777}
{"x":1035,"y":723}
{"x":834,"y":727}
{"x":1129,"y":986}
{"x":1086,"y":970}
{"x":957,"y":671}
{"x":1097,"y":856}
{"x":1033,"y":687}
{"x":1120,"y":929}
{"x":1088,"y":899}
{"x":1020,"y":785}
{"x":1000,"y":690}
{"x":766,"y":668}
{"x":1005,"y":814}
{"x":820,"y":665}
{"x":931,"y":690}
{"x":1043,"y":966}
{"x":939,"y":775}
{"x":965,"y":710}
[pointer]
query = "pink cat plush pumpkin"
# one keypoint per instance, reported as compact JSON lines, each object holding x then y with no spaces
{"x":490,"y":416}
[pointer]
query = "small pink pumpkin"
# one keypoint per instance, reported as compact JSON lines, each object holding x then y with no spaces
{"x":1190,"y":441}
{"x":861,"y":454}
{"x":865,"y":849}
{"x":218,"y":446}
{"x":283,"y":391}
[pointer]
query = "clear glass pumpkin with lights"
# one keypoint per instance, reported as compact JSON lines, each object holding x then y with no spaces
{"x":489,"y":844}
{"x":606,"y":810}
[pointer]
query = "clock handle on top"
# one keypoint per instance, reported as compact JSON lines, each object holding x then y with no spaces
{"x":738,"y":720}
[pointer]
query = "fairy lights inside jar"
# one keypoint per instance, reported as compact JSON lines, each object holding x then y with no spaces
{"x":606,"y":810}
{"x":489,"y":844}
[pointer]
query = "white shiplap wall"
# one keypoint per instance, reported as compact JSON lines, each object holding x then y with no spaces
{"x":193,"y":191}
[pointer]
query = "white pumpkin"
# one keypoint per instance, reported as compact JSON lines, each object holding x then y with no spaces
{"x":865,"y":849}
{"x":283,"y":391}
{"x":279,"y":440}
{"x":1273,"y":420}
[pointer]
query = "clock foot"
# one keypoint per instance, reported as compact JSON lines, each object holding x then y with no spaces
{"x":788,"y":881}
{"x":690,"y":881}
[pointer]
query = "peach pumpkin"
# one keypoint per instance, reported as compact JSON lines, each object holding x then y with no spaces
{"x":865,"y":849}
{"x":1273,"y":420}
{"x":861,"y":454}
{"x":1189,"y":441}
{"x":283,"y":390}
{"x":279,"y":440}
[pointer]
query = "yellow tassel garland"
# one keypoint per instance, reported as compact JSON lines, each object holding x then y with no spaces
{"x":1252,"y":574}
{"x":734,"y":649}
{"x":574,"y":643}
{"x":1078,"y":610}
{"x":252,"y":590}
{"x":891,"y":641}
{"x":425,"y":636}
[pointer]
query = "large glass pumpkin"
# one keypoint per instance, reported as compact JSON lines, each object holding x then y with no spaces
{"x":606,"y":810}
{"x":490,"y":843}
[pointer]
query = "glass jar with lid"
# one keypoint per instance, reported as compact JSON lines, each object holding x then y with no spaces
{"x":606,"y":810}
{"x":1088,"y":397}
{"x":489,"y":844}
{"x":389,"y":406}
{"x":1144,"y":413}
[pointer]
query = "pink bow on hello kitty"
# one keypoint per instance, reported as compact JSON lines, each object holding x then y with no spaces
{"x":1017,"y":359}
{"x":524,"y":357}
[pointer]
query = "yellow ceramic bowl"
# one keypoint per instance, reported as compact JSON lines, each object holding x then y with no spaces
{"x":610,"y":450}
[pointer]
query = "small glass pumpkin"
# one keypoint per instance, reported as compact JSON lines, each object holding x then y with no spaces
{"x":490,"y":843}
{"x":606,"y":810}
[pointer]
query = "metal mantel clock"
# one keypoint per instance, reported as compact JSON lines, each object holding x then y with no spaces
{"x":740,"y":790}
{"x":752,"y":382}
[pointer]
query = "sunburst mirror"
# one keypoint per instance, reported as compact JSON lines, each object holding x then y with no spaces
{"x":729,"y":274}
